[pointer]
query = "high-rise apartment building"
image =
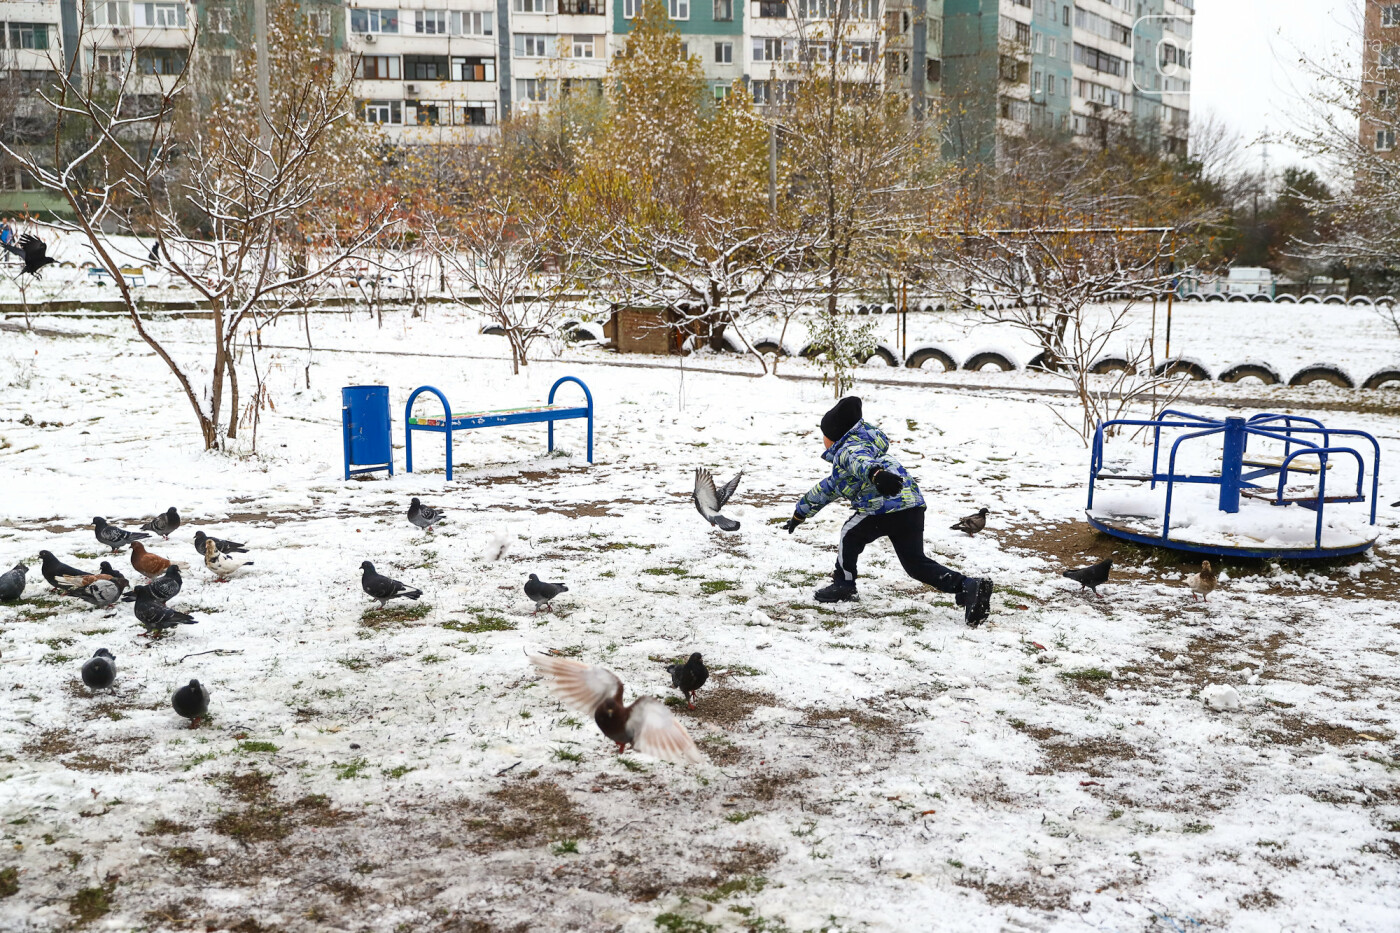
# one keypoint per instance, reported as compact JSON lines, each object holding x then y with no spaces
{"x":1380,"y":75}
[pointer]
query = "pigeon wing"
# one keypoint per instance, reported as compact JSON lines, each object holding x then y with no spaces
{"x":580,"y":686}
{"x":656,"y":732}
{"x":32,"y":246}
{"x":728,"y":488}
{"x":706,"y":498}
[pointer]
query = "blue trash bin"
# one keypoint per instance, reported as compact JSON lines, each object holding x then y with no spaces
{"x":364,"y":417}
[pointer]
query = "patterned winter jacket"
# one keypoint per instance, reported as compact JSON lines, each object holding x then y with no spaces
{"x":860,"y":452}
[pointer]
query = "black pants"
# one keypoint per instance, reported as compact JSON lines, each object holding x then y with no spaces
{"x":905,"y":529}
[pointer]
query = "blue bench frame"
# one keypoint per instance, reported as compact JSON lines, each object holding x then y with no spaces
{"x":473,"y":420}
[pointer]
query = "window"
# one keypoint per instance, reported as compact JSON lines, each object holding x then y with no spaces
{"x":583,"y":88}
{"x":378,"y":68}
{"x":534,"y":90}
{"x":934,"y":69}
{"x":156,"y":61}
{"x":772,"y":50}
{"x":425,"y":67}
{"x":466,"y":23}
{"x":721,"y":91}
{"x":219,"y":20}
{"x":109,"y":13}
{"x":160,"y":15}
{"x":815,"y":51}
{"x":1054,"y":51}
{"x":382,"y":111}
{"x":531,"y":45}
{"x":1390,"y":15}
{"x":857,"y":52}
{"x":319,"y":22}
{"x":1099,"y":61}
{"x":584,"y":46}
{"x":630,"y":8}
{"x":759,"y":90}
{"x":109,"y":62}
{"x":724,"y":11}
{"x":685,"y":52}
{"x":430,"y":22}
{"x":869,"y":10}
{"x":724,"y":53}
{"x":474,"y":69}
{"x":29,"y":36}
{"x":473,"y":113}
{"x":221,"y":67}
{"x":583,"y":7}
{"x":1390,"y":55}
{"x":1038,"y":46}
{"x":1065,"y":17}
{"x":772,"y":9}
{"x":534,"y":6}
{"x":1385,"y":97}
{"x":816,"y":9}
{"x":1102,"y":27}
{"x":1035,"y":83}
{"x":1064,"y":87}
{"x":374,"y":21}
{"x":1385,"y":140}
{"x":678,"y":9}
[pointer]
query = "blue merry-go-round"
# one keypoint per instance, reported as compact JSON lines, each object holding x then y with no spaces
{"x":1243,"y":504}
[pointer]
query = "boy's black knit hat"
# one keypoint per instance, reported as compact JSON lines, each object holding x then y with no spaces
{"x":842,"y":417}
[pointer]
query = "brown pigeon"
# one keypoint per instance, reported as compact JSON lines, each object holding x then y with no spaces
{"x":144,"y":562}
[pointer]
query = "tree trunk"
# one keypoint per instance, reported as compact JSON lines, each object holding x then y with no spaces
{"x":233,"y":394}
{"x":216,"y":393}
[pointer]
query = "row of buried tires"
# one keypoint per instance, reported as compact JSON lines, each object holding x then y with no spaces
{"x":1362,"y":301}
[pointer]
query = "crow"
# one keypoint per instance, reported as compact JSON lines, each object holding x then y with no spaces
{"x":33,"y":251}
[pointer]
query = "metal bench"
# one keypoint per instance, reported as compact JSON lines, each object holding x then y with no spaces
{"x":451,"y":422}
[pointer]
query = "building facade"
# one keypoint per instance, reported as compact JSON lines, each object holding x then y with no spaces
{"x":1380,"y":75}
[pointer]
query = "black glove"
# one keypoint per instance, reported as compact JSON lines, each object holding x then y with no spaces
{"x":792,"y":523}
{"x":886,"y":482}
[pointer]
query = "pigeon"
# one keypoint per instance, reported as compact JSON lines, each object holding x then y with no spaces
{"x":102,"y":594}
{"x":52,"y":568}
{"x":191,"y":701}
{"x":12,"y":583}
{"x":708,"y":500}
{"x":1091,"y":577}
{"x":1202,"y":584}
{"x":163,"y":588}
{"x":226,"y":547}
{"x":647,"y":725}
{"x":152,"y":565}
{"x":105,"y":572}
{"x":543,"y":593}
{"x":689,"y":677}
{"x":153,"y":615}
{"x":100,"y":670}
{"x":221,"y":563}
{"x":382,"y":588}
{"x":113,"y":537}
{"x":164,"y":524}
{"x":33,"y":251}
{"x":972,"y":523}
{"x":423,"y":516}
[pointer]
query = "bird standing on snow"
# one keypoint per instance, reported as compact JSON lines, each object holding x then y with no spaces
{"x":105,"y":572}
{"x":1091,"y":577}
{"x":423,"y":516}
{"x":226,"y":547}
{"x":191,"y":701}
{"x":12,"y":583}
{"x":709,"y":500}
{"x":33,"y":251}
{"x":154,"y":615}
{"x":102,"y":594}
{"x":382,"y":588}
{"x":543,"y":593}
{"x":100,"y":670}
{"x":647,"y":725}
{"x":164,"y":524}
{"x":1204,"y":583}
{"x":222,"y":564}
{"x":52,"y":568}
{"x":113,"y":537}
{"x":151,"y":565}
{"x":689,"y":677}
{"x":972,"y":523}
{"x":163,"y":588}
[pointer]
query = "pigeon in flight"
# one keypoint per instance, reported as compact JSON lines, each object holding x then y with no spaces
{"x":423,"y":516}
{"x":222,"y":564}
{"x":224,"y":546}
{"x":152,"y":565}
{"x":689,"y":677}
{"x":102,"y":594}
{"x":164,"y":524}
{"x":12,"y":583}
{"x":154,"y":616}
{"x":33,"y":251}
{"x":382,"y":588}
{"x":163,"y":588}
{"x":113,"y":537}
{"x":647,"y":725}
{"x":543,"y":593}
{"x":1091,"y":577}
{"x":1204,"y":583}
{"x":52,"y":568}
{"x":191,"y":701}
{"x":972,"y":523}
{"x":708,"y":500}
{"x":100,"y":670}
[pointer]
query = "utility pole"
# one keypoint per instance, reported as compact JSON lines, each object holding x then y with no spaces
{"x":773,"y":169}
{"x":264,"y":81}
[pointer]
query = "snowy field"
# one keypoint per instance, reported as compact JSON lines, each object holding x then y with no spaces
{"x":875,"y":766}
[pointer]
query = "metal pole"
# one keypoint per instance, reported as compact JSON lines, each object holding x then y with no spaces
{"x":773,"y":169}
{"x":1171,"y":294}
{"x":1231,"y":465}
{"x":264,"y":81}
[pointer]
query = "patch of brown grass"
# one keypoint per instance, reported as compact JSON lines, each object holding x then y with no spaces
{"x":526,"y":813}
{"x":726,"y":706}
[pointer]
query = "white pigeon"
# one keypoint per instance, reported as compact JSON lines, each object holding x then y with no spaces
{"x":223,"y":565}
{"x":708,"y":500}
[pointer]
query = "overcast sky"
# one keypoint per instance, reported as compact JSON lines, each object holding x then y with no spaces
{"x":1245,"y":66}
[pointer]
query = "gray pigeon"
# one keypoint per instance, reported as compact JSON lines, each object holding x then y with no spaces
{"x":12,"y":583}
{"x":164,"y":524}
{"x":102,"y":594}
{"x":163,"y":588}
{"x":154,"y":616}
{"x":973,"y":523}
{"x":100,"y":670}
{"x":543,"y":593}
{"x":113,"y":537}
{"x":224,"y":546}
{"x":382,"y":588}
{"x":191,"y":701}
{"x":423,"y":516}
{"x":1091,"y":577}
{"x":708,"y":500}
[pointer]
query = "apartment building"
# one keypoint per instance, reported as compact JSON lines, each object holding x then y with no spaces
{"x":1380,"y":75}
{"x":1090,"y":69}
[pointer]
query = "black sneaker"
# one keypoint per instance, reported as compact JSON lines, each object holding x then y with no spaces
{"x":839,"y":592}
{"x":976,"y":600}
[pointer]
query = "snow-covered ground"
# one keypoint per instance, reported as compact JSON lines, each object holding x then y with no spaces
{"x":876,"y":766}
